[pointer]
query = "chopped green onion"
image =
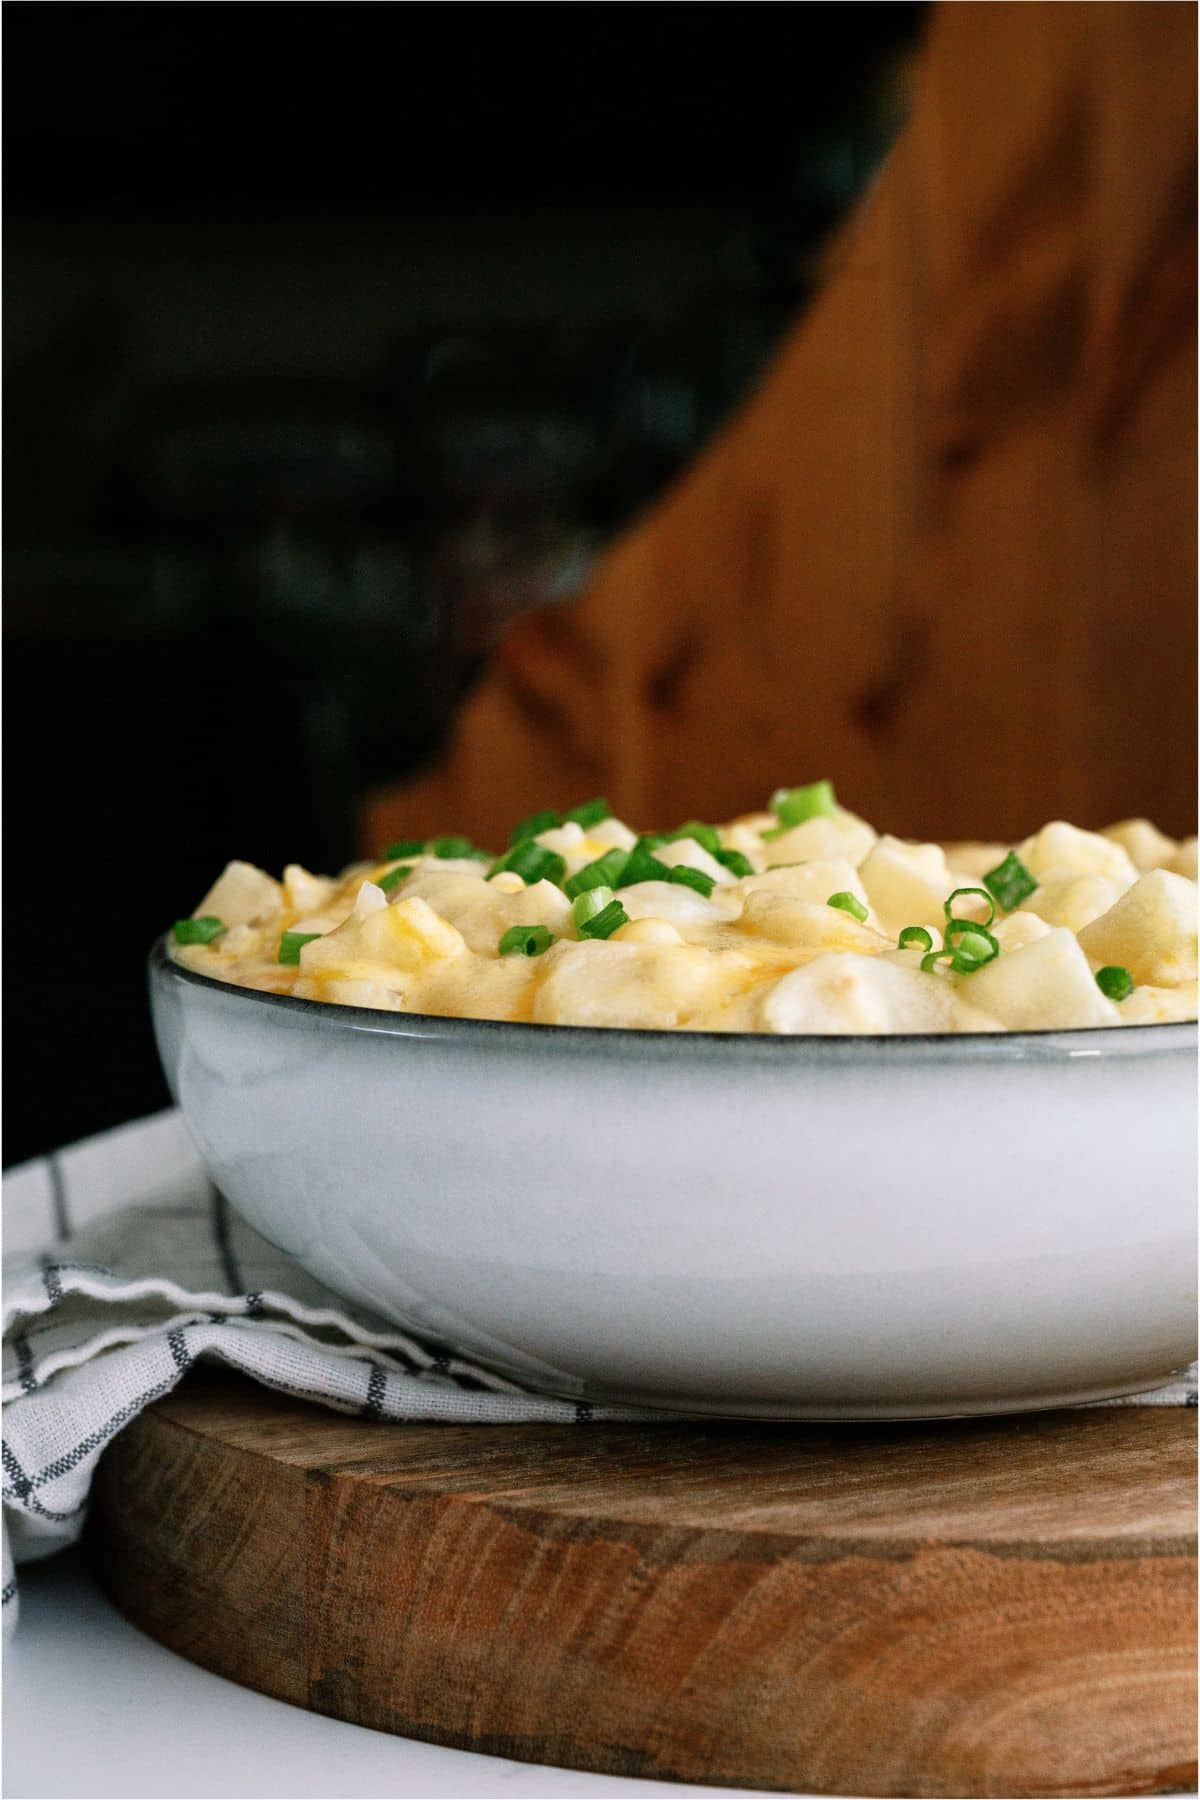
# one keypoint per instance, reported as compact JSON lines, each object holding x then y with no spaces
{"x":406,"y":847}
{"x":704,"y":835}
{"x":532,"y":862}
{"x":915,"y":937}
{"x":1114,"y":982}
{"x":525,"y":940}
{"x":606,"y":922}
{"x":848,"y":903}
{"x":735,"y":862}
{"x":291,"y":944}
{"x":456,"y":848}
{"x":606,"y":871}
{"x":683,"y":876}
{"x":792,"y":806}
{"x":590,"y":904}
{"x":395,"y":876}
{"x":1010,"y":882}
{"x":198,"y":931}
{"x":970,"y":945}
{"x":653,"y":840}
{"x":534,"y":825}
{"x":591,"y":812}
{"x":642,"y":866}
{"x":979,"y":893}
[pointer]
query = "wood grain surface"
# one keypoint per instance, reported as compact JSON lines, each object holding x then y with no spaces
{"x":1000,"y":1608}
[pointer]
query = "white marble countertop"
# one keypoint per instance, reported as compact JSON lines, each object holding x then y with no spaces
{"x":93,"y":1710}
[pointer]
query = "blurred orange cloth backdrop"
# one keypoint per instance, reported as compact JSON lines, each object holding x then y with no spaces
{"x":946,"y":553}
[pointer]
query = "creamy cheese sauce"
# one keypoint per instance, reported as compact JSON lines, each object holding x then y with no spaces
{"x":730,"y":928}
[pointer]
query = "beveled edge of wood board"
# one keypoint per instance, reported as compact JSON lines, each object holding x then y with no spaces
{"x":824,"y":1500}
{"x":340,"y":1586}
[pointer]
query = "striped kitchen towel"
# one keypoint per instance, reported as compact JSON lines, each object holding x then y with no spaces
{"x":123,"y":1266}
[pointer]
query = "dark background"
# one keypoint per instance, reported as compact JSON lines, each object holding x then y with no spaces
{"x":317,"y":317}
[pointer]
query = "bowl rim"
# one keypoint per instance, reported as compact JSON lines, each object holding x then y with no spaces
{"x":1072,"y":1043}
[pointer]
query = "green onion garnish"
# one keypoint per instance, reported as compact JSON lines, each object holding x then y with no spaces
{"x":525,"y":940}
{"x":979,"y":893}
{"x":590,"y":904}
{"x":532,"y":826}
{"x":704,"y":835}
{"x":1010,"y":882}
{"x":970,"y":945}
{"x":591,"y":812}
{"x":848,"y":903}
{"x":456,"y":848}
{"x":915,"y":937}
{"x":641,"y":865}
{"x":735,"y":862}
{"x":682,"y":876}
{"x":406,"y":847}
{"x":291,"y":944}
{"x":792,"y":806}
{"x":606,"y":922}
{"x":606,"y":871}
{"x":1114,"y":982}
{"x":532,"y":862}
{"x":395,"y":876}
{"x":198,"y":931}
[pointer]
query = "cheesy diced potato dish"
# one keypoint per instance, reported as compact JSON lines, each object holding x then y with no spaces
{"x":797,"y":919}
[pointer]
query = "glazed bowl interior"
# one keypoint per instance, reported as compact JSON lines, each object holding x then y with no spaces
{"x":865,"y":1227}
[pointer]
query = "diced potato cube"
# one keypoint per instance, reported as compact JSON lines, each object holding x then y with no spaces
{"x":304,"y":892}
{"x":814,"y":881}
{"x":241,"y":895}
{"x":671,"y":900}
{"x":484,"y":910}
{"x":1159,"y":1006}
{"x":906,"y":883}
{"x":369,"y":899}
{"x":642,"y":985}
{"x":493,"y":987}
{"x":1014,"y":931}
{"x":1046,"y":986}
{"x":374,"y":944}
{"x":841,"y":835}
{"x":239,"y":940}
{"x":844,"y":993}
{"x":1151,"y":931}
{"x":687,"y":853}
{"x":1184,"y":863}
{"x":648,"y":931}
{"x":1060,"y":850}
{"x":745,"y":837}
{"x":411,"y":929}
{"x":570,"y":842}
{"x":612,"y":834}
{"x":970,"y":862}
{"x":1075,"y":900}
{"x":1146,"y":846}
{"x":808,"y":924}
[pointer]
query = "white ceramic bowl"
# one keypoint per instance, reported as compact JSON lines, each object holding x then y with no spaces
{"x":762,"y":1226}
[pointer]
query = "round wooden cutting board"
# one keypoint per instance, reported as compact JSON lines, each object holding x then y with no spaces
{"x":1001,"y":1608}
